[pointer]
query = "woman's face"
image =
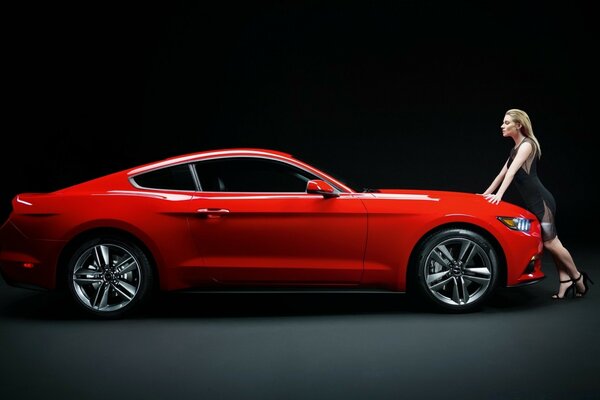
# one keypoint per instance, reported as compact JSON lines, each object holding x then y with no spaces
{"x":510,"y":127}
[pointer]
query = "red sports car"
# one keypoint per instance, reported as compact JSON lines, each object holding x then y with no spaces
{"x":252,"y":219}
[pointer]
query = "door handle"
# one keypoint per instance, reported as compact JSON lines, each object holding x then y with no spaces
{"x":213,"y":212}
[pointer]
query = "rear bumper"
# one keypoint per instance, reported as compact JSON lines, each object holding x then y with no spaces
{"x":25,"y":262}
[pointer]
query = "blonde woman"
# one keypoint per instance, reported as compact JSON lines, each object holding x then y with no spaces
{"x":521,"y":168}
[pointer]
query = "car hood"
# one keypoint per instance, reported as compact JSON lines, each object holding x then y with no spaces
{"x":432,"y":194}
{"x":451,"y":201}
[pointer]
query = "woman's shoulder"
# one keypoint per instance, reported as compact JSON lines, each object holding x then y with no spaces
{"x":528,"y":145}
{"x":529,"y":140}
{"x":526,"y":141}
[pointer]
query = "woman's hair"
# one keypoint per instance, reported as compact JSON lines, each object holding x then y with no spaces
{"x":521,"y":117}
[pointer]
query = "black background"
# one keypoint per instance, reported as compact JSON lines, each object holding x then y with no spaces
{"x":404,"y":94}
{"x":390,"y":94}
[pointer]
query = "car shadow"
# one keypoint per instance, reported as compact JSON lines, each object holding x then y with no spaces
{"x":58,"y":306}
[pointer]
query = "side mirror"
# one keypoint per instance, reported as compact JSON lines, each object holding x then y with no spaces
{"x":318,"y":186}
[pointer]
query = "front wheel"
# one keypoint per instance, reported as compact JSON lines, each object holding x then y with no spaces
{"x":108,"y":277}
{"x":457,"y":269}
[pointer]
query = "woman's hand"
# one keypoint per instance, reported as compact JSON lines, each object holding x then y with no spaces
{"x":493,"y":198}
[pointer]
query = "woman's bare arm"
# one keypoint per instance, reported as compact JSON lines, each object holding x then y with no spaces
{"x":522,"y":154}
{"x":497,"y":180}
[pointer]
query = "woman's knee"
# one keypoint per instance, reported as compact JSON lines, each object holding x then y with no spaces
{"x":552,"y":245}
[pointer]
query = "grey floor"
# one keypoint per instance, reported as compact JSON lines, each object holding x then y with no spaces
{"x":522,"y":345}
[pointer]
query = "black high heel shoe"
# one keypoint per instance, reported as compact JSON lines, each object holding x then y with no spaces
{"x":586,"y":279}
{"x":571,"y":288}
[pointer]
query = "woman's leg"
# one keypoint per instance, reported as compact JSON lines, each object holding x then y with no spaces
{"x":565,"y":265}
{"x":563,"y":276}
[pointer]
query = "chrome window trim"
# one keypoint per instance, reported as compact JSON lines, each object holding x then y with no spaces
{"x":191,"y":163}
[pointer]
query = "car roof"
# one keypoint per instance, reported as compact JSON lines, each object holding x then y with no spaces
{"x":207,"y":154}
{"x":234,"y":152}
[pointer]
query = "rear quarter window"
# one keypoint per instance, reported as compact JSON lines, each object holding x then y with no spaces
{"x":177,"y":177}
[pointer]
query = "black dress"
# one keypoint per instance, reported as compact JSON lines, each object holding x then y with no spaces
{"x":537,"y":198}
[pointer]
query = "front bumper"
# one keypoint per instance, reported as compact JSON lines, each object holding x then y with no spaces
{"x":523,"y":252}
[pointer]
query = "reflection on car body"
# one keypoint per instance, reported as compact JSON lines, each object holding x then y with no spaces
{"x":251,"y":218}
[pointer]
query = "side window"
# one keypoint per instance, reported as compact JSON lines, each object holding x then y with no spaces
{"x":251,"y":175}
{"x":177,"y":177}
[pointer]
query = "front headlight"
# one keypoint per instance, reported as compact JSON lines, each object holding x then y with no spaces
{"x":516,"y":223}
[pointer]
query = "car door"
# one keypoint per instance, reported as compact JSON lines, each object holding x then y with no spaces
{"x":255,"y":223}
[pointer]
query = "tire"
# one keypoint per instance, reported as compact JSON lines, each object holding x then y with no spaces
{"x":109,"y":277}
{"x":457,"y":270}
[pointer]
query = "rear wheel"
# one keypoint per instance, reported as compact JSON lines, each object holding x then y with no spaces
{"x":108,"y":276}
{"x":457,"y":269}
